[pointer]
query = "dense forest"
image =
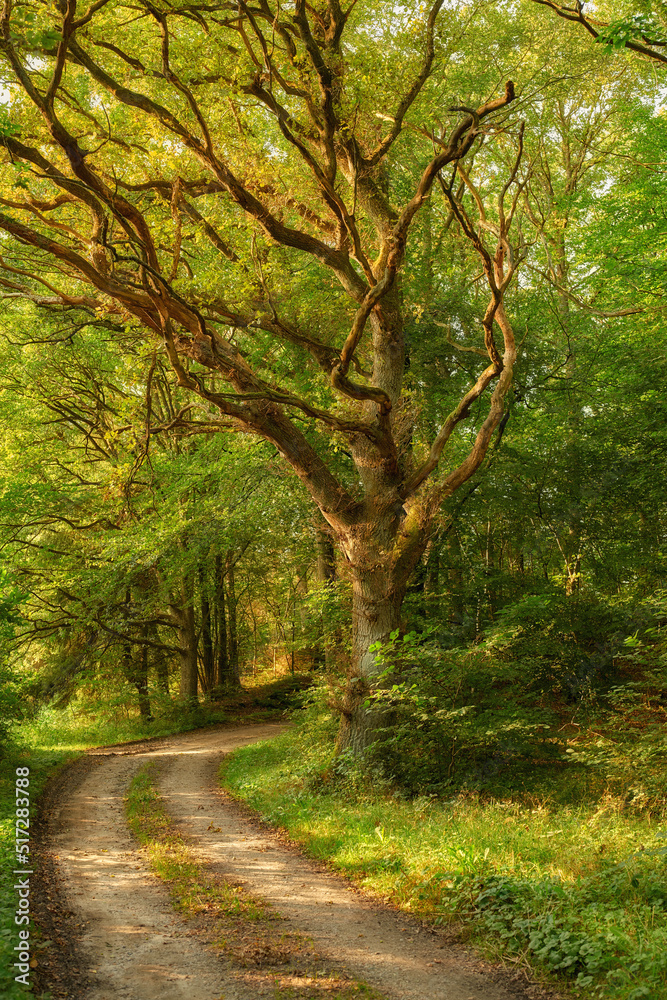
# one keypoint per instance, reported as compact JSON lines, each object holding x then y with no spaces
{"x":333,"y":349}
{"x":285,"y":374}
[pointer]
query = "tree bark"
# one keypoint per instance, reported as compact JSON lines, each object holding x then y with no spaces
{"x":135,"y":663}
{"x":208,"y":663}
{"x":162,"y":672}
{"x":187,"y":635}
{"x":233,"y":673}
{"x":325,"y":649}
{"x":382,"y":554}
{"x":222,"y":678}
{"x":375,"y":615}
{"x":141,"y":680}
{"x":432,"y":577}
{"x":326,"y":555}
{"x":184,"y":615}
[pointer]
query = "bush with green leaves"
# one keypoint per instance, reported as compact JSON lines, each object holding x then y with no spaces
{"x":453,"y":718}
{"x":565,"y":646}
{"x":495,"y":715}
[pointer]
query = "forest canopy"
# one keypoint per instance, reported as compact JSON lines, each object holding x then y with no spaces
{"x":324,"y":323}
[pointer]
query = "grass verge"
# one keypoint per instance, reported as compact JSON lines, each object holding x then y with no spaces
{"x":576,"y":891}
{"x":42,"y":763}
{"x":81,"y":724}
{"x":247,"y":930}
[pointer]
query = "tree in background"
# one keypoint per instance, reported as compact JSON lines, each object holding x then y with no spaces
{"x":334,"y":276}
{"x":124,"y":528}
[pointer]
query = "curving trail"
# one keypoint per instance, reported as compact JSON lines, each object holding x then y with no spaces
{"x":136,"y":947}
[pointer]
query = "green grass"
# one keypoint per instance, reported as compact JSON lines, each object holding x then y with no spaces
{"x":578,"y":891}
{"x":77,"y":728}
{"x":84,"y":724}
{"x":245,"y":929}
{"x":43,"y":762}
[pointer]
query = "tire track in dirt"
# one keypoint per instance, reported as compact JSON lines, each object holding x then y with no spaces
{"x":134,"y":944}
{"x":138,"y":948}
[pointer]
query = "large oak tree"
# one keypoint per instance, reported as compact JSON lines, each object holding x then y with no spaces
{"x":242,"y":181}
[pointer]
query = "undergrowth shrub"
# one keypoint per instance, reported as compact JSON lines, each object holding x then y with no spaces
{"x":455,"y":718}
{"x":499,"y":716}
{"x":609,"y":928}
{"x":564,"y":647}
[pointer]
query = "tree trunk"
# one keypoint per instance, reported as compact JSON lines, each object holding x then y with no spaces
{"x":135,"y":667}
{"x":571,"y":545}
{"x":375,"y":615}
{"x":234,"y":679}
{"x":432,"y":583}
{"x":208,"y":663}
{"x":141,"y":680}
{"x":323,"y":652}
{"x":162,"y":672}
{"x":489,"y":571}
{"x":187,"y":635}
{"x":187,"y":640}
{"x":382,"y":554}
{"x":326,"y":555}
{"x":222,"y":678}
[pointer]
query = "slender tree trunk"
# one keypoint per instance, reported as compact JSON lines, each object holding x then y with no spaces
{"x":571,"y":548}
{"x":489,"y":570}
{"x":301,"y":623}
{"x":234,"y":679}
{"x":208,"y":664}
{"x":432,"y":578}
{"x":141,"y":680}
{"x":325,"y":646}
{"x":135,"y":668}
{"x":455,"y":577}
{"x":188,"y":656}
{"x":162,"y":673}
{"x":187,"y":640}
{"x":222,"y":679}
{"x":326,"y":555}
{"x":128,"y":665}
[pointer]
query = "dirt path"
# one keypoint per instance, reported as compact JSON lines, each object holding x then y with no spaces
{"x":138,"y":948}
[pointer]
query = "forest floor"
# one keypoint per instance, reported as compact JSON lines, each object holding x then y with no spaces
{"x":111,"y":930}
